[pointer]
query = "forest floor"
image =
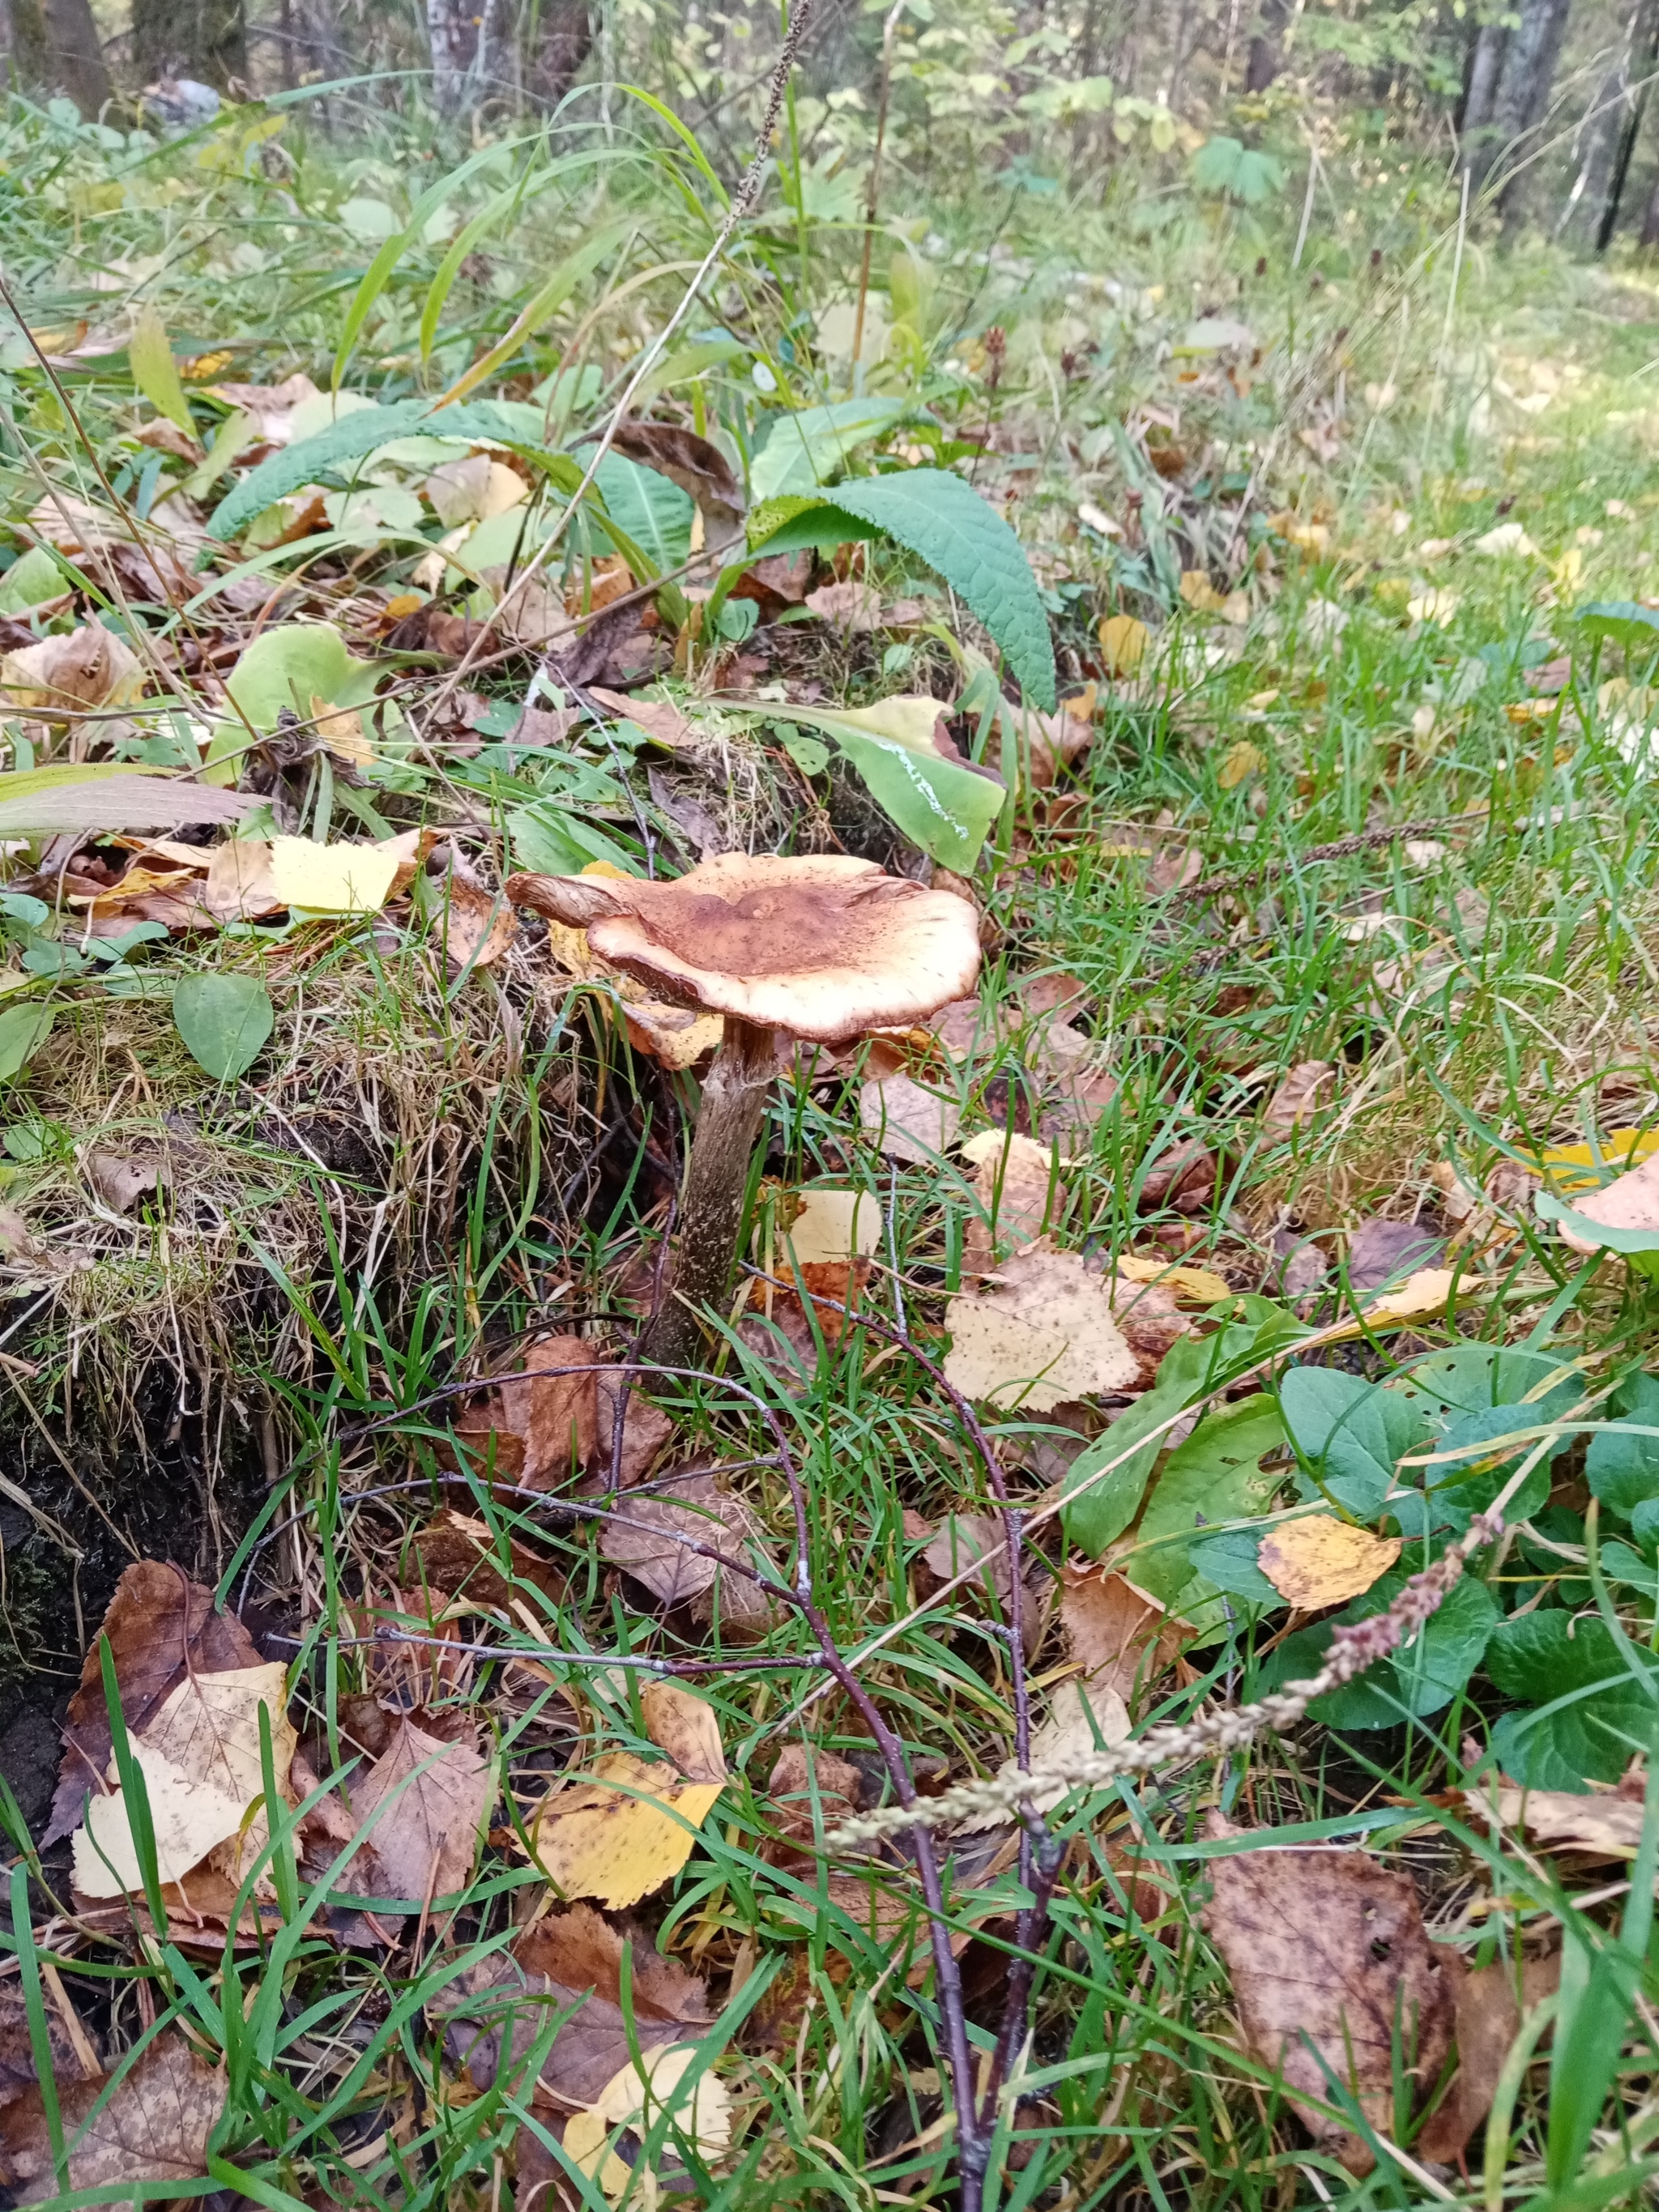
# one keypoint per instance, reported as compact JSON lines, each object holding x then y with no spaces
{"x":1102,"y":1347}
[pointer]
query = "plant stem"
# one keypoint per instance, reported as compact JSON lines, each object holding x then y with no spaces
{"x":722,"y":1144}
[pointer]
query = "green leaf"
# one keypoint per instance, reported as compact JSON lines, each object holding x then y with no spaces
{"x":106,"y":795}
{"x":1215,"y":1475}
{"x":941,"y":806}
{"x":32,"y":579}
{"x":1590,"y":1711}
{"x":1229,"y":1561}
{"x":224,"y":1021}
{"x":1420,"y":1679}
{"x":545,"y":838}
{"x":1350,"y":1432}
{"x":23,"y":1030}
{"x":1635,"y":627}
{"x":805,"y":449}
{"x":1225,"y":165}
{"x":351,"y":437}
{"x":653,"y":511}
{"x":149,"y":356}
{"x":288,"y":666}
{"x":944,"y":522}
{"x":1100,"y":1517}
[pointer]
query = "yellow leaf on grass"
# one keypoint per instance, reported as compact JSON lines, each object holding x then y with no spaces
{"x":341,"y":729}
{"x":1123,"y":643}
{"x":687,"y":1729}
{"x":622,"y":1833}
{"x":1321,"y":1561}
{"x":331,"y":878}
{"x":1045,"y":1332}
{"x":1199,"y":594}
{"x":1243,"y":761}
{"x":633,"y":2098}
{"x":1574,"y":1168}
{"x":1200,"y":1284}
{"x":833,"y":1226}
{"x":1426,"y":1292}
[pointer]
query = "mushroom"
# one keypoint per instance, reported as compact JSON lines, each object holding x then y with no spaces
{"x":824,"y":947}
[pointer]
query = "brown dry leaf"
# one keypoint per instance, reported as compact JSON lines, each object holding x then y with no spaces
{"x":1326,"y":1948}
{"x":659,"y":718}
{"x":422,"y":1845}
{"x":696,"y":464}
{"x":1150,"y":1317}
{"x":1123,"y":643}
{"x":155,"y":2127}
{"x":599,"y":586}
{"x":538,"y":1429}
{"x":89,"y":667}
{"x":473,"y":490}
{"x":120,"y":1179}
{"x":673,"y":1037}
{"x":239,"y":886}
{"x":461,"y":1555}
{"x":1122,"y":1639}
{"x":1043,"y":1334}
{"x":1381,"y":1252}
{"x":573,"y":1958}
{"x":1605,"y":1824}
{"x":1016,"y":1183}
{"x":1488,"y":2020}
{"x":687,"y":1729}
{"x":72,"y":2051}
{"x":1319,"y":1561}
{"x":906,"y":1122}
{"x":160,"y":1626}
{"x":801,"y":1775}
{"x":1059,"y":740}
{"x":340,"y":730}
{"x":850,"y":606}
{"x":1296,"y":1099}
{"x":1184,"y":1178}
{"x":621,"y":1831}
{"x":478,"y":926}
{"x":642,"y":1539}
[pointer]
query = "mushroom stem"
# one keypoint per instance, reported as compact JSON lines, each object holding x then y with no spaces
{"x":734,"y":1095}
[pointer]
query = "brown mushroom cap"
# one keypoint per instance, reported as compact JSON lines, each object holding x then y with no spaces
{"x":824,"y":946}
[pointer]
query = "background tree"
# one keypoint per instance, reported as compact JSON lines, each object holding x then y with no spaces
{"x":206,"y":39}
{"x":54,"y":47}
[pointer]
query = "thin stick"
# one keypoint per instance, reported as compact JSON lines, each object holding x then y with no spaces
{"x":889,"y":29}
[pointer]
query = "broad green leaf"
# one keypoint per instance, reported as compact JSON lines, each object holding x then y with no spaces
{"x":224,"y":1020}
{"x":1423,"y":1676}
{"x":350,"y":438}
{"x":289,"y":667}
{"x":1633,"y":627}
{"x":106,"y":795}
{"x":1588,"y":1712}
{"x":1622,"y":1466}
{"x":806,"y":449}
{"x":149,"y":356}
{"x":653,"y":511}
{"x":1469,"y":1376}
{"x":23,"y":1030}
{"x":1226,"y":165}
{"x":1101,"y":1515}
{"x":1229,"y":1561}
{"x":1215,"y":1475}
{"x":552,"y":843}
{"x":1351,"y":1433}
{"x":32,"y":579}
{"x":942,"y":807}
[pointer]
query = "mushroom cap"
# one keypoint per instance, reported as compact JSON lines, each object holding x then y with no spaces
{"x":824,"y":946}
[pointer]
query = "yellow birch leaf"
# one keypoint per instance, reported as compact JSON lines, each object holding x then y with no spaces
{"x":624,"y":1832}
{"x":1426,"y":1292}
{"x":1201,"y":1285}
{"x":1322,"y":1561}
{"x":330,"y":879}
{"x":1123,"y":642}
{"x":341,"y":729}
{"x":1243,"y":761}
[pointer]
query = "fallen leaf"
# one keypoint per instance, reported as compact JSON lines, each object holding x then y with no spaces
{"x":330,"y":879}
{"x":1016,"y":1183}
{"x":673,"y":1037}
{"x":155,"y":2127}
{"x":802,"y":1776}
{"x":1572,"y":1168}
{"x":623,"y":1831}
{"x":633,"y":2098}
{"x":462,"y":1557}
{"x":435,"y":1795}
{"x":571,"y":1960}
{"x":1629,"y":1201}
{"x":1327,"y":1949}
{"x":478,"y":927}
{"x":906,"y":1122}
{"x":89,"y":667}
{"x":1242,"y":761}
{"x":687,"y":1729}
{"x":1122,"y":1639}
{"x":831,"y":1226}
{"x":852,"y":606}
{"x":1184,"y":1178}
{"x":1199,"y":594}
{"x":1506,"y":538}
{"x":1488,"y":2020}
{"x":1201,"y":1285}
{"x":72,"y":2051}
{"x":161,"y":1626}
{"x":1150,"y":1317}
{"x":1432,"y":606}
{"x":1426,"y":1292}
{"x":270,"y":406}
{"x":1381,"y":1251}
{"x":1296,"y":1099}
{"x":659,"y":718}
{"x":239,"y":886}
{"x":538,"y":1429}
{"x":1319,"y":1561}
{"x":472,"y":490}
{"x":119,"y":1179}
{"x":199,"y":1755}
{"x":640,"y":1537}
{"x":1123,"y":643}
{"x":340,"y":731}
{"x":1057,"y":741}
{"x":1602,"y":1823}
{"x":1044,"y":1334}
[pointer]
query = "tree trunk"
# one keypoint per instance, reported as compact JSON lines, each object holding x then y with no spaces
{"x":558,"y":38}
{"x":453,"y":31}
{"x":1485,"y":58}
{"x":1523,"y":97}
{"x":1267,"y":45}
{"x":204,"y":39}
{"x":55,"y":47}
{"x":1625,"y":123}
{"x":1650,"y":220}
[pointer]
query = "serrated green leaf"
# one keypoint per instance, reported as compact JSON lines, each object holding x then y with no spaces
{"x":23,"y":1030}
{"x":808,"y":447}
{"x":1422,"y":1678}
{"x":149,"y":356}
{"x":224,"y":1021}
{"x":1587,"y":1707}
{"x":655,"y":512}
